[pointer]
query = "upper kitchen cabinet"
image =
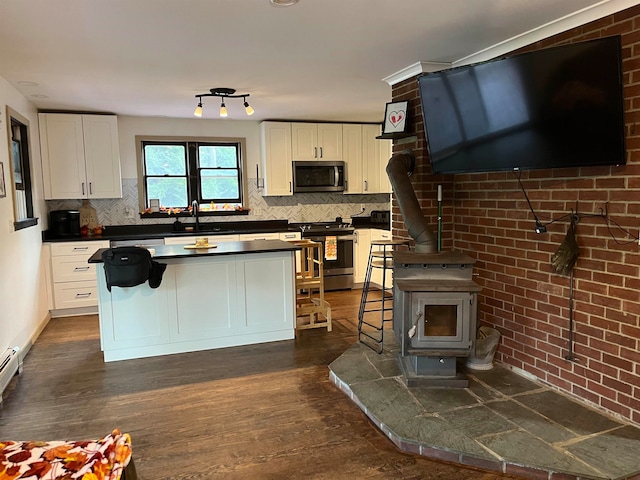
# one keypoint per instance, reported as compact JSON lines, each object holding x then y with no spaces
{"x":275,"y":144}
{"x":316,"y":141}
{"x":366,"y":159}
{"x":80,"y":156}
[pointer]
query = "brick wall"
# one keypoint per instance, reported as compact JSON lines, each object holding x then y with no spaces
{"x":486,"y":216}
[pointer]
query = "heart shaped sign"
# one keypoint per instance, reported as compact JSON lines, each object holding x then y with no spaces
{"x":396,"y":117}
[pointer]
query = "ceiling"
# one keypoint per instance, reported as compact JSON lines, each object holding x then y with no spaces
{"x":323,"y":60}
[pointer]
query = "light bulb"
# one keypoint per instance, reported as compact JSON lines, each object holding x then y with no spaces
{"x":198,"y":111}
{"x":223,"y":110}
{"x":248,"y":109}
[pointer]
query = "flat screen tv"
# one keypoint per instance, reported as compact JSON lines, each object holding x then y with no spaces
{"x":557,"y":107}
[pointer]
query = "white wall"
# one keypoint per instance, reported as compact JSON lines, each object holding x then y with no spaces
{"x":129,"y":127}
{"x":23,"y":289}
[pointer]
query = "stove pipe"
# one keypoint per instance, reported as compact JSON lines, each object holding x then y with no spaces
{"x":399,"y":168}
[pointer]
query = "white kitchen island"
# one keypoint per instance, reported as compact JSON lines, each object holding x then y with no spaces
{"x":239,"y":293}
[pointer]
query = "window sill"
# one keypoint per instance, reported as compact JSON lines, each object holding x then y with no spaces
{"x":28,"y":222}
{"x":216,"y":213}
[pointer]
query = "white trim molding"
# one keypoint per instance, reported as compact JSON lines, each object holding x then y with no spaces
{"x":581,"y":17}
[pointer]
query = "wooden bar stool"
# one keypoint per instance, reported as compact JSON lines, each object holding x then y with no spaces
{"x":310,"y":302}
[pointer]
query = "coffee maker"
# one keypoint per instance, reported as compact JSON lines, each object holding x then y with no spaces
{"x":65,"y":223}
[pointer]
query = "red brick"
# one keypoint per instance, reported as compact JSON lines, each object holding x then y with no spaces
{"x":488,"y":217}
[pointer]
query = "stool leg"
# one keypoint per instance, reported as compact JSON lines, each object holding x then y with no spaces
{"x":373,"y":337}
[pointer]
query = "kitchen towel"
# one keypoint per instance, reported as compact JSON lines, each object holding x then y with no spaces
{"x":331,"y":248}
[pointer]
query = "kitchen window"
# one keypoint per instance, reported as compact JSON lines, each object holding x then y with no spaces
{"x":179,"y":171}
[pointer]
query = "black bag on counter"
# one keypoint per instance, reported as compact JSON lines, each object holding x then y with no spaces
{"x":131,"y":266}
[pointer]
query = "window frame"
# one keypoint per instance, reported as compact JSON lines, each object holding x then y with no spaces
{"x":192,"y":173}
{"x":17,"y":121}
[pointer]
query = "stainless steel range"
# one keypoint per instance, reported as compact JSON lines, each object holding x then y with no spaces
{"x":338,"y":261}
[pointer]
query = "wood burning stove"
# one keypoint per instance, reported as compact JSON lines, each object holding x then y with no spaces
{"x":434,"y":315}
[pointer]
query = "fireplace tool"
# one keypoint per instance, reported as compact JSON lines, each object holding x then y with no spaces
{"x":562,"y":262}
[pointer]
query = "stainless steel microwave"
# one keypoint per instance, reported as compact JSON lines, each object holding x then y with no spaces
{"x":318,"y":176}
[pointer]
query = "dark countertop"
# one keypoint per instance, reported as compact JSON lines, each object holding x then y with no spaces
{"x":225,"y":248}
{"x":378,"y":219}
{"x":161,"y":230}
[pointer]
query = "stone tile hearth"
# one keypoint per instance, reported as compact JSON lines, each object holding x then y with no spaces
{"x":502,"y":422}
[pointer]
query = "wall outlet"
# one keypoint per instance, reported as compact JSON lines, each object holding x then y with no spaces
{"x":128,"y":212}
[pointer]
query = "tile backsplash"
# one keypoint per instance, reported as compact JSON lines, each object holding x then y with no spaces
{"x":301,"y":207}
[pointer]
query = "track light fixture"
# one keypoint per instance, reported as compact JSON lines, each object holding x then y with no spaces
{"x":198,"y":111}
{"x":222,"y":93}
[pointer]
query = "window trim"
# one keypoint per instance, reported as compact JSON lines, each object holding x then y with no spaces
{"x":240,"y":141}
{"x":12,"y":117}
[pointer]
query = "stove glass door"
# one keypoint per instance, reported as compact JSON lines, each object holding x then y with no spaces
{"x":442,"y":319}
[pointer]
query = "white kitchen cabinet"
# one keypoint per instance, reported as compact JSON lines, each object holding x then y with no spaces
{"x":316,"y":141}
{"x":203,"y":302}
{"x":275,"y":145}
{"x":361,"y":246}
{"x":80,"y":156}
{"x":212,"y":239}
{"x":366,"y":158}
{"x":376,"y":275}
{"x":382,"y":154}
{"x":73,"y":277}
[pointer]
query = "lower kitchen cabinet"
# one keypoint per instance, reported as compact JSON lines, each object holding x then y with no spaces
{"x":202,"y":302}
{"x":361,"y":246}
{"x":73,"y":278}
{"x":376,"y":275}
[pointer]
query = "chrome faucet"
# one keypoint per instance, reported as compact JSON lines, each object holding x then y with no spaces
{"x":194,"y":212}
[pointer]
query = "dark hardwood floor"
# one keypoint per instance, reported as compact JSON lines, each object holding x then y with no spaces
{"x":257,"y":412}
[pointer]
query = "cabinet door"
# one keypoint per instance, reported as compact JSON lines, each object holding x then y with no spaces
{"x":276,"y":158}
{"x":361,"y":245}
{"x":352,"y":150}
{"x":304,"y":141}
{"x":330,"y":141}
{"x":208,"y":307}
{"x":371,"y":159}
{"x":62,"y":150}
{"x":102,"y":156}
{"x":386,"y":150}
{"x":376,"y":277}
{"x":75,"y":294}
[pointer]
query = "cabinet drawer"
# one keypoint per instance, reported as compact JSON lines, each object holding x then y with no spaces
{"x":286,"y":236}
{"x":75,"y":294}
{"x":86,"y":249}
{"x":72,"y":269}
{"x":260,"y":236}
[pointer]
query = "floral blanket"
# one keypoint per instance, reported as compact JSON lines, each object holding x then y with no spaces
{"x":103,"y":459}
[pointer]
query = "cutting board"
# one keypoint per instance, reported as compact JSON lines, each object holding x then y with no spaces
{"x":88,"y":215}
